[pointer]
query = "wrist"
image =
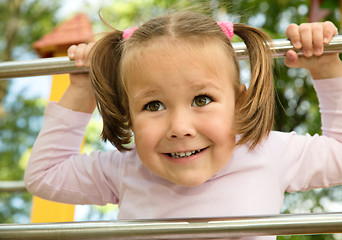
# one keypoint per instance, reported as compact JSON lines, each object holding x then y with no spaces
{"x":78,"y":98}
{"x":330,"y":67}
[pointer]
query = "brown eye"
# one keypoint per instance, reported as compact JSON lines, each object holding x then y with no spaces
{"x":201,"y":101}
{"x":154,"y":106}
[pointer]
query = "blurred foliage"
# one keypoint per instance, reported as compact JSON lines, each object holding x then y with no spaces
{"x":92,"y":140}
{"x":26,"y":21}
{"x":18,"y":130}
{"x":23,"y":22}
{"x":331,"y":4}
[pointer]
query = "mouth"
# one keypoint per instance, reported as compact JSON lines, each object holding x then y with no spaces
{"x":185,"y":154}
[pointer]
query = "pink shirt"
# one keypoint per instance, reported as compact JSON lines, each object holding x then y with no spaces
{"x":251,"y":183}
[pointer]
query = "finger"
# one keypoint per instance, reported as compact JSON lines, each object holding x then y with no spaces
{"x":87,"y":52}
{"x":291,"y":58}
{"x":71,"y":52}
{"x":317,"y":38}
{"x":329,"y":30}
{"x":292,"y":32}
{"x":306,"y":39}
{"x":79,"y":55}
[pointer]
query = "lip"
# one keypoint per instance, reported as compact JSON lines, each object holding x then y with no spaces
{"x":186,"y":159}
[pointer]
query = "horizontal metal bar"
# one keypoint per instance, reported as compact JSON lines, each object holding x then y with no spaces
{"x":206,"y":228}
{"x":60,"y":65}
{"x":38,"y":67}
{"x":12,"y":186}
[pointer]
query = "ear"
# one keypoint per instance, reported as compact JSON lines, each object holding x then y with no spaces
{"x":241,"y":96}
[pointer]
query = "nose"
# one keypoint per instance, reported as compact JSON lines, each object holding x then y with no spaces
{"x":181,"y":125}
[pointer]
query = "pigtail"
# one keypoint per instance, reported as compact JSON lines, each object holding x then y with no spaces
{"x":255,"y":111}
{"x":109,"y":89}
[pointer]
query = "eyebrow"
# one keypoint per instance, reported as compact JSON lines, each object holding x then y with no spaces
{"x":147,"y":94}
{"x":154,"y":93}
{"x":201,"y":86}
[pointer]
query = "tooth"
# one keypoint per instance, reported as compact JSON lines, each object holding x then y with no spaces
{"x":183,"y":154}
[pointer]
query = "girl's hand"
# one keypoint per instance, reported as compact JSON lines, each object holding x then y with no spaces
{"x":310,"y":38}
{"x":79,"y":96}
{"x":80,"y":53}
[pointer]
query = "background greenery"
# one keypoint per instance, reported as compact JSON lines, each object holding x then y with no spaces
{"x":25,"y":21}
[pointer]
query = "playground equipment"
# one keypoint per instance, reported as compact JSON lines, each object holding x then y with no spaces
{"x":206,"y":228}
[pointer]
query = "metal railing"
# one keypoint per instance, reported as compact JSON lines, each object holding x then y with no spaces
{"x":205,"y":228}
{"x":59,"y":65}
{"x":12,"y":186}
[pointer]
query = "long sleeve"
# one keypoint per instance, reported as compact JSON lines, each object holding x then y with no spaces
{"x":329,"y":93}
{"x":57,"y":171}
{"x":316,"y":161}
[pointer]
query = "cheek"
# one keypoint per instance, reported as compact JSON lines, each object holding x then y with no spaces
{"x":222,"y":133}
{"x":220,"y":126}
{"x":140,"y":130}
{"x":147,"y":137}
{"x":146,"y":134}
{"x":224,"y":137}
{"x":143,"y":141}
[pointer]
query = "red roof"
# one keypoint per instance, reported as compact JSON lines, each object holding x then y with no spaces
{"x":74,"y":31}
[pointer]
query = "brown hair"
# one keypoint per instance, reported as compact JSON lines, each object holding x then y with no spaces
{"x":254,"y":117}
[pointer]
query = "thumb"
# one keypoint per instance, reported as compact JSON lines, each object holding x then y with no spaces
{"x":291,"y":59}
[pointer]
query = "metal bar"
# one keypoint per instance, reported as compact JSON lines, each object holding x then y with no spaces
{"x":60,"y":65}
{"x":281,"y":46}
{"x":12,"y":186}
{"x":206,"y":228}
{"x":38,"y":67}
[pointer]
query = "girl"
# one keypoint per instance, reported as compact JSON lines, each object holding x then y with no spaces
{"x":202,"y":142}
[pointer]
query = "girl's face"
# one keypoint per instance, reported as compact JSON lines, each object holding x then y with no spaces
{"x":182,"y":106}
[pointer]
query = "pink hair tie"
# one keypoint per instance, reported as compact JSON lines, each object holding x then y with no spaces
{"x":128,"y":32}
{"x":227,"y":28}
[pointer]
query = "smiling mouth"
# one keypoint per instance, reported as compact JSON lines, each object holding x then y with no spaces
{"x":185,"y":154}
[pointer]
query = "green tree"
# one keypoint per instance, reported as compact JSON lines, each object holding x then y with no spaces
{"x":23,"y":22}
{"x":18,"y":131}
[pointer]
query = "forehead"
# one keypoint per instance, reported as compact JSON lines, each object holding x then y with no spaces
{"x":164,"y":56}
